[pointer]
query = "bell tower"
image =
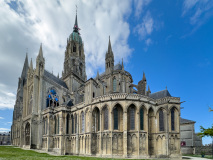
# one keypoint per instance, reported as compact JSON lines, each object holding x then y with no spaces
{"x":74,"y":62}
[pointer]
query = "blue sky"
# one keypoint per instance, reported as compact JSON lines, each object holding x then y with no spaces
{"x":171,"y":41}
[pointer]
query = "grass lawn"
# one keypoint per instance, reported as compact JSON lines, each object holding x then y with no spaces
{"x":10,"y":152}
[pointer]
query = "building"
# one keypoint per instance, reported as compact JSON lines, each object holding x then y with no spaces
{"x":5,"y":138}
{"x":189,"y":139}
{"x":106,"y":116}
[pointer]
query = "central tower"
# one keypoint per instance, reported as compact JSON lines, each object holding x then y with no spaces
{"x":74,"y":73}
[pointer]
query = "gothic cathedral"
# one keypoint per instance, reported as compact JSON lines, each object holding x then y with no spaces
{"x":106,"y":116}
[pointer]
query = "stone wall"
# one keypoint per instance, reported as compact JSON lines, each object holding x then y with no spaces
{"x":206,"y":149}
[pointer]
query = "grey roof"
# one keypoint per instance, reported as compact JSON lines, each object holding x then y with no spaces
{"x":55,"y":79}
{"x":5,"y":133}
{"x":160,"y":94}
{"x":185,"y":121}
{"x":68,"y":103}
{"x":118,"y":67}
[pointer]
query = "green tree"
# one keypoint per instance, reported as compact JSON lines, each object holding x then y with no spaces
{"x":206,"y":132}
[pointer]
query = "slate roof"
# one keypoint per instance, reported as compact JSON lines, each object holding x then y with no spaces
{"x":118,"y":67}
{"x":68,"y":103}
{"x":160,"y":94}
{"x":185,"y":121}
{"x":55,"y":79}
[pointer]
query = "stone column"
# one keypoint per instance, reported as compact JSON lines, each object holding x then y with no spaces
{"x":77,"y":134}
{"x":125,"y":134}
{"x":138,"y":129}
{"x":61,"y":132}
{"x":100,"y":144}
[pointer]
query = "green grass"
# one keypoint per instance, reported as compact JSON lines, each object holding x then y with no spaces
{"x":192,"y":155}
{"x":10,"y":153}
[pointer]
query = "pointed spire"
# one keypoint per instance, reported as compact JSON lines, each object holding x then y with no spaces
{"x":97,"y":76}
{"x":144,"y":77}
{"x":25,"y":67}
{"x":75,"y":28}
{"x":40,"y":51}
{"x":149,"y":90}
{"x":31,"y":64}
{"x":109,"y":46}
{"x":122,"y":64}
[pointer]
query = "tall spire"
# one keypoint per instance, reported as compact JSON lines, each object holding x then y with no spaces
{"x":40,"y":51}
{"x":109,"y":46}
{"x":31,"y":65}
{"x":25,"y":67}
{"x":75,"y":28}
{"x":122,"y":64}
{"x":144,"y":77}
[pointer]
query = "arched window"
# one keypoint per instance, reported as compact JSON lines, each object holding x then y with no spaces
{"x":114,"y":84}
{"x":141,"y":119}
{"x":55,"y":125}
{"x":58,"y":126}
{"x":115,"y":112}
{"x":74,"y":48}
{"x":105,"y":118}
{"x":161,"y":120}
{"x":27,"y":134}
{"x":52,"y":98}
{"x":76,"y":126}
{"x":82,"y":122}
{"x":132,"y":118}
{"x":173,"y":119}
{"x":72,"y":119}
{"x":68,"y":124}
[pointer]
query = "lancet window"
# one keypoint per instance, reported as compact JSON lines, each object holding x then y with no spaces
{"x":52,"y":98}
{"x":173,"y":119}
{"x":161,"y":120}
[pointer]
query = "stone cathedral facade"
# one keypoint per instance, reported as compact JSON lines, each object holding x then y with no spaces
{"x":106,"y":116}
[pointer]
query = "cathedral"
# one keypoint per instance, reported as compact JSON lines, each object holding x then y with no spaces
{"x":105,"y":116}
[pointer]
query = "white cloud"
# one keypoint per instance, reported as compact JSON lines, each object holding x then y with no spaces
{"x":198,"y":11}
{"x":26,"y":24}
{"x":1,"y":117}
{"x":4,"y":129}
{"x":148,"y":41}
{"x":139,"y":6}
{"x":145,"y":28}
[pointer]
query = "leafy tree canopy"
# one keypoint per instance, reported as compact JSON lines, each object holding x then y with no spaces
{"x":206,"y":132}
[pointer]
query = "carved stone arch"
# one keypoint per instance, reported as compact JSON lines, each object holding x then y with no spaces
{"x":173,"y":106}
{"x":103,"y":106}
{"x":164,"y":111}
{"x":159,"y":136}
{"x":131,"y":103}
{"x":116,"y":103}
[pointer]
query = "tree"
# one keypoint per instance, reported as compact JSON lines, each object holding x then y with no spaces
{"x":206,"y":132}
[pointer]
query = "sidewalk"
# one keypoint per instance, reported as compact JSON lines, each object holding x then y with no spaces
{"x":195,"y":158}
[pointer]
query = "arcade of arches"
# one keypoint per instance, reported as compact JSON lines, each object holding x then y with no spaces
{"x":134,"y":130}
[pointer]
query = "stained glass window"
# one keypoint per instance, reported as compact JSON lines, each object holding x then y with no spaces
{"x":114,"y":85}
{"x":161,"y":120}
{"x":141,"y":119}
{"x":82,"y":122}
{"x":76,"y":126}
{"x":173,"y":119}
{"x":72,"y":124}
{"x":68,"y":119}
{"x":52,"y":98}
{"x":55,"y":125}
{"x":105,"y":118}
{"x":58,"y":126}
{"x":132,"y":118}
{"x":115,"y":118}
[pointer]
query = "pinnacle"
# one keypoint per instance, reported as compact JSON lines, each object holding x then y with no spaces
{"x":144,"y":77}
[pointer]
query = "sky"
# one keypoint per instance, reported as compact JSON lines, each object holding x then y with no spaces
{"x":170,"y":41}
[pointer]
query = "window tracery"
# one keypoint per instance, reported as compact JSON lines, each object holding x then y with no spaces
{"x":161,"y":120}
{"x":52,"y":98}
